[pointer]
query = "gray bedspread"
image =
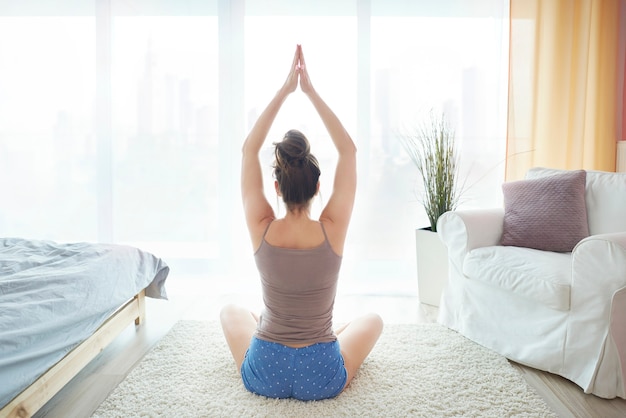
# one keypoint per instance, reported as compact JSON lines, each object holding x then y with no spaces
{"x":54,"y":295}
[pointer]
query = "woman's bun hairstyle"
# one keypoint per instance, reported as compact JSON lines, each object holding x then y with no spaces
{"x":296,"y":170}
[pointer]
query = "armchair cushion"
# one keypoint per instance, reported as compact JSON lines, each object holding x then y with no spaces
{"x":546,"y":213}
{"x":541,"y":276}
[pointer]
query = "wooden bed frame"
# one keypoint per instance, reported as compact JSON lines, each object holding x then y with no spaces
{"x":43,"y":389}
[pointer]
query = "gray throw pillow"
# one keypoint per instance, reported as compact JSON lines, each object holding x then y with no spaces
{"x":546,"y":213}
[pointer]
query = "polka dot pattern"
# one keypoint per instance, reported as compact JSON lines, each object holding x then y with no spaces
{"x":309,"y":373}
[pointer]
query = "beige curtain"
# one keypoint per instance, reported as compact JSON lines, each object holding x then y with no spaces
{"x":563,"y":85}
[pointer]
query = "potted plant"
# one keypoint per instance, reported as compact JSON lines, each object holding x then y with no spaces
{"x":432,"y":148}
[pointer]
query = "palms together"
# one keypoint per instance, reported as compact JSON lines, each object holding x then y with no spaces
{"x":298,"y":74}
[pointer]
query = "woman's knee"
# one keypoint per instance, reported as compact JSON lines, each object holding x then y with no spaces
{"x":227,"y":312}
{"x":236,"y":317}
{"x":233,"y":314}
{"x":373,"y":322}
{"x":376,"y":320}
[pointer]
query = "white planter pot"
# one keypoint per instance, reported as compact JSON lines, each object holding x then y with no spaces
{"x":432,"y":266}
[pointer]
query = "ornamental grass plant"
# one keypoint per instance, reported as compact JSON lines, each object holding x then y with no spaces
{"x":432,"y":148}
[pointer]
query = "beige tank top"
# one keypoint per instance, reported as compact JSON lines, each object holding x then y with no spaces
{"x":299,"y":287}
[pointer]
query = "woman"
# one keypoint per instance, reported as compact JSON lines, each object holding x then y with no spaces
{"x":291,"y":350}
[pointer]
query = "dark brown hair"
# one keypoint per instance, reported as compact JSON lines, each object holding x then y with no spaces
{"x":296,"y":170}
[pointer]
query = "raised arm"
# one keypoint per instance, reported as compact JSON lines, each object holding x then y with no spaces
{"x":257,"y":209}
{"x":339,"y":207}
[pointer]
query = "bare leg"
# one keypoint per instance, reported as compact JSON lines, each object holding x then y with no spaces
{"x":357,"y":339}
{"x":238,"y":325}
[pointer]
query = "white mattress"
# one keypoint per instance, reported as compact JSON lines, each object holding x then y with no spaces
{"x":55,"y":295}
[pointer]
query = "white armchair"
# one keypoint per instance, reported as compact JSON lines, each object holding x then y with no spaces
{"x":562,"y":312}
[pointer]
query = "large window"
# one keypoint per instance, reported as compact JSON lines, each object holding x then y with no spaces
{"x":435,"y":60}
{"x":122,"y":120}
{"x":164,"y":82}
{"x":47,"y":138}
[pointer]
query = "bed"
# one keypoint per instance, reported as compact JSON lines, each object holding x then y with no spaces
{"x":60,"y":305}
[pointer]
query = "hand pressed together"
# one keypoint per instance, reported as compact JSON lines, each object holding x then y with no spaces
{"x":298,"y":74}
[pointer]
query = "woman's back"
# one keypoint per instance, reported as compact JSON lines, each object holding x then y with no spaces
{"x":302,"y":233}
{"x":299,"y":287}
{"x":292,"y":233}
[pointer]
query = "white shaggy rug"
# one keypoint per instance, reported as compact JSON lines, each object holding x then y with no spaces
{"x":421,"y":370}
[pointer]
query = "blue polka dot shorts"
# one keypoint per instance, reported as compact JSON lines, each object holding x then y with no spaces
{"x":309,"y":373}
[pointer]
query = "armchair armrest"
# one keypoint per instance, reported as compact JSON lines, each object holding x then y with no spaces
{"x":463,"y":230}
{"x":617,"y":238}
{"x":599,"y":262}
{"x":598,"y":302}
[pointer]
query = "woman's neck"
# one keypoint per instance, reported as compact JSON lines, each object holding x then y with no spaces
{"x":298,"y":215}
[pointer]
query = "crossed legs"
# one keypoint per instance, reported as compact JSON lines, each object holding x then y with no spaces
{"x":238,"y":325}
{"x":356,"y":338}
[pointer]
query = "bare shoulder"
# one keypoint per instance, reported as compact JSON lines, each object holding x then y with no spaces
{"x":336,"y":234}
{"x":257,"y":230}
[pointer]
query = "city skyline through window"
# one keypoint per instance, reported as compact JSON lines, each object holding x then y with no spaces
{"x":131,"y":123}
